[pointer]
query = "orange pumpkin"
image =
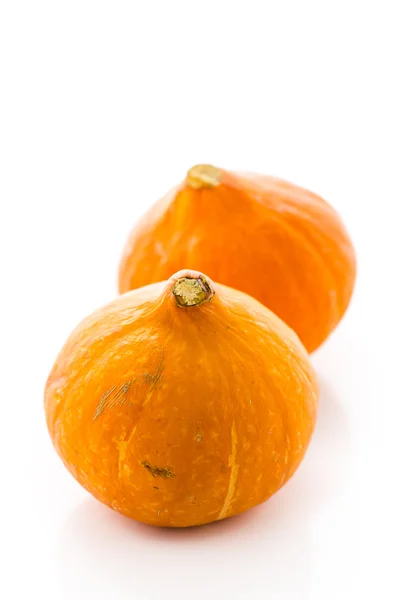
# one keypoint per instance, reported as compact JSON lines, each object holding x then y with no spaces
{"x":279,"y":243}
{"x":182,"y":402}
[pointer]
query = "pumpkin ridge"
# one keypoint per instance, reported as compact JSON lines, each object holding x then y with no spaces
{"x":300,"y":235}
{"x":233,"y":477}
{"x":302,"y":219}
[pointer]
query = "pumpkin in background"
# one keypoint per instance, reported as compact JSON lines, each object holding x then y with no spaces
{"x":279,"y":243}
{"x":182,"y":403}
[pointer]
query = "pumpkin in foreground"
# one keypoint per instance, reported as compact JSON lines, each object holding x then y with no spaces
{"x":182,"y":403}
{"x":281,"y":244}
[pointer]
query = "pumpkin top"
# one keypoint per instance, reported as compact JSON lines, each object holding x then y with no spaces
{"x":192,"y":289}
{"x":203,"y":176}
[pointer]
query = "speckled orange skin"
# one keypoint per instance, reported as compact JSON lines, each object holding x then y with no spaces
{"x":279,"y":243}
{"x":181,"y":416}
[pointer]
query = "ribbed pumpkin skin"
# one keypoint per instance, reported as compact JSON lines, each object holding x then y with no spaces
{"x":277,"y":242}
{"x":181,"y":416}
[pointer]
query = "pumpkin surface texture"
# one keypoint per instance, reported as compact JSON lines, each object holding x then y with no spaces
{"x":182,"y":402}
{"x":280,"y":243}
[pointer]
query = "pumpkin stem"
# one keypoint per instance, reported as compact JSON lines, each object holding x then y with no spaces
{"x":203,"y":176}
{"x":192,"y":291}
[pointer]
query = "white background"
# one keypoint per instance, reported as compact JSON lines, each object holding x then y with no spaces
{"x":103,"y":107}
